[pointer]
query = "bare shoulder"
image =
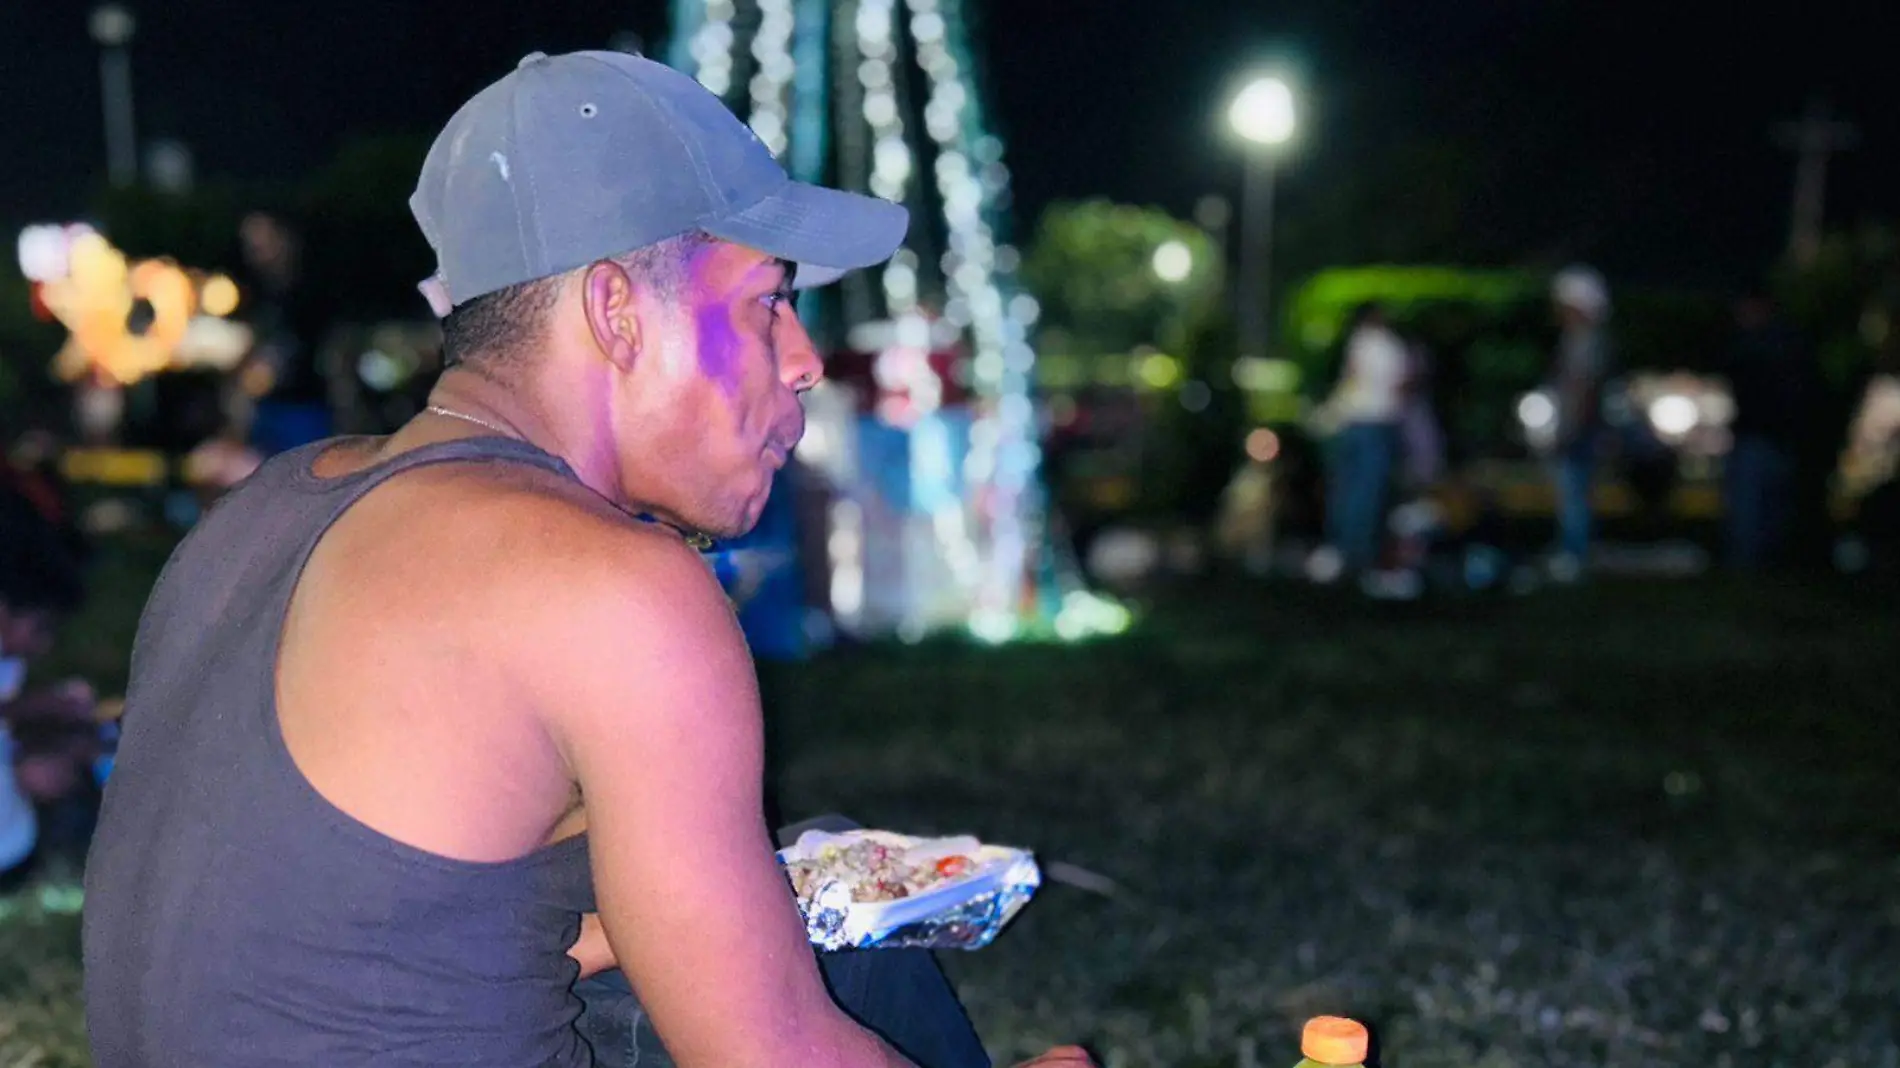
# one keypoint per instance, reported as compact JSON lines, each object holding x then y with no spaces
{"x":522,"y":568}
{"x":588,"y":608}
{"x":443,"y":621}
{"x":524,"y":541}
{"x":574,"y":567}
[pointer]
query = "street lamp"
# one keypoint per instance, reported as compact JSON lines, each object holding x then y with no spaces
{"x":1262,"y":114}
{"x":112,"y":27}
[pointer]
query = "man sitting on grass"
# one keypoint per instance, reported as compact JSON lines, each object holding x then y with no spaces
{"x":421,"y":728}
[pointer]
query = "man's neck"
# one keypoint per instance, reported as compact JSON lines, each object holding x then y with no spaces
{"x":515,"y":409}
{"x":479,"y":399}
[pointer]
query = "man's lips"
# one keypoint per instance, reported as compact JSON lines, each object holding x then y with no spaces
{"x":779,"y":446}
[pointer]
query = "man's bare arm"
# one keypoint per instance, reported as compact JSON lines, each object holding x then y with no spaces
{"x":650,"y":693}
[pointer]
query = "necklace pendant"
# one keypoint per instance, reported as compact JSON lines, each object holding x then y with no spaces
{"x":693,"y":538}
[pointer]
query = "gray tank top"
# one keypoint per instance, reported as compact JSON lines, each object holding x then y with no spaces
{"x":236,"y":919}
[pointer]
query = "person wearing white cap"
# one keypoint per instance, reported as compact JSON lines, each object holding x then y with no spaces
{"x":421,"y":728}
{"x":1582,"y":363}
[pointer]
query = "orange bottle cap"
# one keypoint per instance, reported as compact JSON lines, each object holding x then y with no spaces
{"x":1334,"y":1040}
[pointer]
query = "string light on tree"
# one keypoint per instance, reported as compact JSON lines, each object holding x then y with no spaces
{"x":771,"y":48}
{"x":710,"y":43}
{"x":857,"y":100}
{"x":1003,"y":451}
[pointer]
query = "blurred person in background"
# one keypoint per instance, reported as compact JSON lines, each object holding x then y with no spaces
{"x":1776,"y":386}
{"x":1867,"y":467}
{"x":31,"y":470}
{"x":1417,"y":523}
{"x":1422,"y":435}
{"x":1244,"y":525}
{"x":1299,"y":488}
{"x":48,"y":737}
{"x":430,"y":735}
{"x":1365,"y":409}
{"x":1579,"y":368}
{"x":281,"y":374}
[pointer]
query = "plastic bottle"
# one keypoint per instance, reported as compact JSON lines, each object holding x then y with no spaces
{"x":1333,"y":1042}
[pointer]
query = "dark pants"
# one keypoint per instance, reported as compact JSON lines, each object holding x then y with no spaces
{"x":1759,"y":500}
{"x":1363,"y":459}
{"x":899,"y":993}
{"x":1574,"y":471}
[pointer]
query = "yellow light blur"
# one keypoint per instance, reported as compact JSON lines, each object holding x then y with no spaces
{"x":116,"y":467}
{"x":95,"y":299}
{"x":219,"y":296}
{"x":1159,"y":370}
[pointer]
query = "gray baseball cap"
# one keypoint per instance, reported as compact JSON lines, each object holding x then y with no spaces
{"x":570,"y":159}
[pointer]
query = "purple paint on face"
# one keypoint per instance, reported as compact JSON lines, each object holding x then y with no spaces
{"x":721,"y":350}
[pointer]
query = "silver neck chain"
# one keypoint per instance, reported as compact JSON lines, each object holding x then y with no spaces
{"x":437,"y":409}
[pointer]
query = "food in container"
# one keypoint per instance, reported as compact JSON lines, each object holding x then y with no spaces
{"x":880,"y":890}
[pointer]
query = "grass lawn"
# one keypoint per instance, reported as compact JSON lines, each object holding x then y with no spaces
{"x":1624,"y":825}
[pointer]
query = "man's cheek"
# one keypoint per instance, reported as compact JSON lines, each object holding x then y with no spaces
{"x":720,"y":348}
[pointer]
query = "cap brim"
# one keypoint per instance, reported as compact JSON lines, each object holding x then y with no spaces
{"x":827,"y":232}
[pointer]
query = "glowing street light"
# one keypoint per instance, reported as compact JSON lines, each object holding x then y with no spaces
{"x":1173,"y":262}
{"x":1264,"y":115}
{"x":1263,"y":112}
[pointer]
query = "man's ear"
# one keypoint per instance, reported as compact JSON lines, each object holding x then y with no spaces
{"x":607,"y":297}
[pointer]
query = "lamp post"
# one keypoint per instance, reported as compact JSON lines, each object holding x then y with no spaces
{"x":1262,"y":114}
{"x":112,"y":27}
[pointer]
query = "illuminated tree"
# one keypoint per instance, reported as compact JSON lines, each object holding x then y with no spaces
{"x":882,"y":96}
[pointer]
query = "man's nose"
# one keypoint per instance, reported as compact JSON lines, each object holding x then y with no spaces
{"x":799,"y":367}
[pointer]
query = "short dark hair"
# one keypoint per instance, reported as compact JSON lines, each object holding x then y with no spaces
{"x":502,"y":324}
{"x":499,"y":324}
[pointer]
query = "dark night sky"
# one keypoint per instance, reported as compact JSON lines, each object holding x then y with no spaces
{"x":1599,"y":129}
